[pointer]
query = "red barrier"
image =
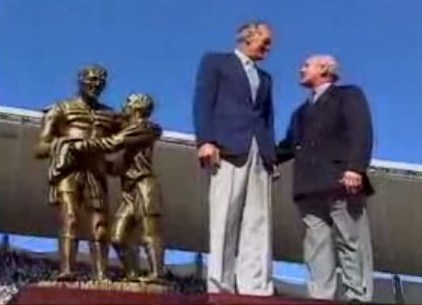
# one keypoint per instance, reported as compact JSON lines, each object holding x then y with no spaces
{"x":58,"y":295}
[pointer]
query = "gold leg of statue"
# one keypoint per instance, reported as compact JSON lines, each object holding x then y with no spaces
{"x":154,"y":247}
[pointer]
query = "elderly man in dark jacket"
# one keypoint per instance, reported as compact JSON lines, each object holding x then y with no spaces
{"x":330,"y":139}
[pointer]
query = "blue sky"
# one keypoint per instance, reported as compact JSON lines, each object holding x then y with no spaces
{"x":154,"y":46}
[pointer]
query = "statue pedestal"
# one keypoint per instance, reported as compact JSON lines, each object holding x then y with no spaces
{"x":132,"y":293}
{"x":103,"y":293}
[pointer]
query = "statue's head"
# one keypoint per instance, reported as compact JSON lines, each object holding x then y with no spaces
{"x":138,"y":104}
{"x":92,"y":80}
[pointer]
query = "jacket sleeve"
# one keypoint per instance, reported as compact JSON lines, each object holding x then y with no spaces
{"x":270,"y":111}
{"x":358,"y":124}
{"x":204,"y":99}
{"x":286,"y":147}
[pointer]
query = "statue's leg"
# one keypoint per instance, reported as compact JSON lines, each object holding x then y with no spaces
{"x":99,"y":246}
{"x":120,"y":237}
{"x":151,"y":223}
{"x":68,"y":244}
{"x":153,"y":245}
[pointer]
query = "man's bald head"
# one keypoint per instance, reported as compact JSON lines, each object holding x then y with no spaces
{"x":319,"y":69}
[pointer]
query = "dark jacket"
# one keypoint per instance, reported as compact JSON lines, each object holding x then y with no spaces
{"x":328,"y":137}
{"x":223,"y":110}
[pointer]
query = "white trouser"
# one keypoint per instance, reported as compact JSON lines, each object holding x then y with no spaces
{"x":241,"y":228}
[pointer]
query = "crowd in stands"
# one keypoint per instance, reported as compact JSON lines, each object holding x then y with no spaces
{"x":18,"y":269}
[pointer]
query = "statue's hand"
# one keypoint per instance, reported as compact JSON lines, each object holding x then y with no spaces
{"x":156,"y":129}
{"x":136,"y":134}
{"x":58,"y":145}
{"x":77,"y":146}
{"x":62,"y":149}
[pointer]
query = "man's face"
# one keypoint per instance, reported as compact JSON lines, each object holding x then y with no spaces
{"x":258,"y":45}
{"x":311,"y":72}
{"x":92,"y":84}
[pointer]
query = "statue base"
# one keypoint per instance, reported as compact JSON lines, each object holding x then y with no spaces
{"x":103,"y":293}
{"x":138,"y":287}
{"x":135,"y":293}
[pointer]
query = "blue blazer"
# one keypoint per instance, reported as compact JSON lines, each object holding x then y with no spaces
{"x":224,"y":113}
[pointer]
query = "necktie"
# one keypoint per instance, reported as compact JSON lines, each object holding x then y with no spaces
{"x":312,"y":97}
{"x":253,"y":78}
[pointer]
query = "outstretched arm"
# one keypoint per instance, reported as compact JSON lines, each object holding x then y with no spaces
{"x":286,"y":147}
{"x":132,"y":135}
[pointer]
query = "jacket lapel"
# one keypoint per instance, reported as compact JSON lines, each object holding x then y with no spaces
{"x":325,"y":96}
{"x":242,"y":77}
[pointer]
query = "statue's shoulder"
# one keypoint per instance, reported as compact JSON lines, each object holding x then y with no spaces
{"x":73,"y":103}
{"x":62,"y":108}
{"x":62,"y":105}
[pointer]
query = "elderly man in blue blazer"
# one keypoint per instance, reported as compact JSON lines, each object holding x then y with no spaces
{"x":234,"y":124}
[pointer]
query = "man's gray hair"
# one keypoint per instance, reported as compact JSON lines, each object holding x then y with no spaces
{"x":248,"y":29}
{"x":330,"y":63}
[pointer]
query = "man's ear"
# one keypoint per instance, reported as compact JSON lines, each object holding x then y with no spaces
{"x":324,"y":71}
{"x":248,"y":38}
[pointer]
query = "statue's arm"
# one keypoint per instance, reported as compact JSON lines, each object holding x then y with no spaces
{"x":48,"y":133}
{"x":143,"y":133}
{"x":100,"y":145}
{"x":131,"y":135}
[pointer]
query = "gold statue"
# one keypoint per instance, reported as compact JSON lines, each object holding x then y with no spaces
{"x":140,"y":206}
{"x":79,"y":181}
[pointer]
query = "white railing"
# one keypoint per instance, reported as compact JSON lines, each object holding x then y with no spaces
{"x":34,"y":117}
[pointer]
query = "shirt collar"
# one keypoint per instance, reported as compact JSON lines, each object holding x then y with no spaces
{"x":318,"y":91}
{"x":246,"y":61}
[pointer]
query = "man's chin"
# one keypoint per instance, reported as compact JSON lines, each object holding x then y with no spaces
{"x":304,"y":83}
{"x":260,"y":57}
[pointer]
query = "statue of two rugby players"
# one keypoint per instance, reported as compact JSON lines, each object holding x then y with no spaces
{"x":76,"y":135}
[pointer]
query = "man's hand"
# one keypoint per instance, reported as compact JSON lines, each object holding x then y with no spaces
{"x":352,"y":181}
{"x":276,"y":174}
{"x":209,"y":154}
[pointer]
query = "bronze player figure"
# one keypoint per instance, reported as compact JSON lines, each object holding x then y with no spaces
{"x":140,"y":206}
{"x":79,"y":181}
